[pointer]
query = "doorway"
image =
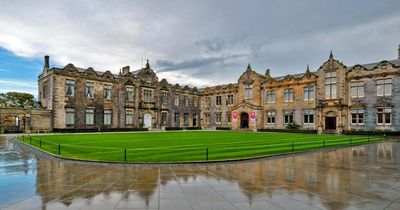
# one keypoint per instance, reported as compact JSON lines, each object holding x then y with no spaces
{"x":330,"y":123}
{"x":244,"y":120}
{"x":147,"y":120}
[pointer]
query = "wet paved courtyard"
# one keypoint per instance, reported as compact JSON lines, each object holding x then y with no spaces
{"x":362,"y":177}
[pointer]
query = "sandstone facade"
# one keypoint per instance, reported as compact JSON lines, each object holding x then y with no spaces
{"x":333,"y":98}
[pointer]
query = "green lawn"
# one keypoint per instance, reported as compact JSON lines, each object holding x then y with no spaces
{"x":185,"y":146}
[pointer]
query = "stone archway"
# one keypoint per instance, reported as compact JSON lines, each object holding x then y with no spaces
{"x":244,"y":120}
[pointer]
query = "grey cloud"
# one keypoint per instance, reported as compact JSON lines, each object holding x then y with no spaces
{"x":166,"y":65}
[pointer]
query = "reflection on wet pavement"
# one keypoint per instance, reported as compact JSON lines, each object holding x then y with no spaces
{"x":362,"y":177}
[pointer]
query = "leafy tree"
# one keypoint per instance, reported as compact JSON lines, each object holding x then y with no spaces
{"x":16,"y":99}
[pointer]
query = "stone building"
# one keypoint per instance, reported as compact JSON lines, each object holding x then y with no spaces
{"x":88,"y":99}
{"x":333,"y":98}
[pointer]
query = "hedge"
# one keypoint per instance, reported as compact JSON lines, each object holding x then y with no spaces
{"x":89,"y":130}
{"x":376,"y":132}
{"x":223,"y":128}
{"x":287,"y":130}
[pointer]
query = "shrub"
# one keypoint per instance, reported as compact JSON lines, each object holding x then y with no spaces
{"x":292,"y":126}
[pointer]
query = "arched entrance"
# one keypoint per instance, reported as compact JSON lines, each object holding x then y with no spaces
{"x":147,"y":120}
{"x":330,"y":121}
{"x":244,"y":120}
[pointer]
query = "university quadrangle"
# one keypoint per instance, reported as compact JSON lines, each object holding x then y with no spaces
{"x":334,"y":98}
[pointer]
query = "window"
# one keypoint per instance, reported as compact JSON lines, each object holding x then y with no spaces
{"x":70,"y":87}
{"x":308,"y":117}
{"x":89,"y":116}
{"x":357,"y":90}
{"x":218,"y":100}
{"x":176,"y":100}
{"x":208,"y":102}
{"x":164,"y":97}
{"x":384,"y":116}
{"x":289,"y":116}
{"x":195,"y":101}
{"x":271,"y":96}
{"x":164,"y":118}
{"x":309,"y":93}
{"x":107,"y":117}
{"x":271,"y":117}
{"x":44,"y":90}
{"x":129,"y":117}
{"x":147,"y":95}
{"x":129,"y":93}
{"x":248,"y":91}
{"x":177,"y":121}
{"x":89,"y":89}
{"x":186,"y":99}
{"x":384,"y":87}
{"x":228,"y":117}
{"x":207,"y":118}
{"x":330,"y":85}
{"x":357,"y":116}
{"x":289,"y":95}
{"x":229,"y":101}
{"x":107,"y":92}
{"x":186,"y":119}
{"x":69,"y":116}
{"x":218,"y":118}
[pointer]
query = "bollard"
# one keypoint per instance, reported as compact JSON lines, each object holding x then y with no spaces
{"x":207,"y":153}
{"x":350,"y":140}
{"x":59,"y":149}
{"x":23,"y":138}
{"x":125,"y":154}
{"x":40,"y":143}
{"x":292,"y":146}
{"x":368,"y":138}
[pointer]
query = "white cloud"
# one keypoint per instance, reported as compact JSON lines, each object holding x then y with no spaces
{"x":108,"y":35}
{"x":9,"y":85}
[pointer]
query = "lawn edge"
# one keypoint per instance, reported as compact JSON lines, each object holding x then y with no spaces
{"x":44,"y":154}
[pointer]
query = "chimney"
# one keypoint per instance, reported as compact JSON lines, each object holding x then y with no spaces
{"x":398,"y":52}
{"x":125,"y":70}
{"x":46,"y":61}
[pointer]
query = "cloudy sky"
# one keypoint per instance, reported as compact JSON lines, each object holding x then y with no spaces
{"x":192,"y":42}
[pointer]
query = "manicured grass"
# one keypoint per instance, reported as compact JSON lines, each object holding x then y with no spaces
{"x":185,"y":146}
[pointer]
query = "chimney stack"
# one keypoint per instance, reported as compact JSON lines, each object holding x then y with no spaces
{"x":125,"y":70}
{"x":46,"y":61}
{"x":398,"y":52}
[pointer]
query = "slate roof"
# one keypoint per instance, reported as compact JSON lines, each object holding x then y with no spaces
{"x":370,"y":66}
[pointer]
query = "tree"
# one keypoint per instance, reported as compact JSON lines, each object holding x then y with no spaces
{"x":16,"y":99}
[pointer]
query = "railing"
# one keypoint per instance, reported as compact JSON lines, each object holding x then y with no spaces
{"x":188,"y":154}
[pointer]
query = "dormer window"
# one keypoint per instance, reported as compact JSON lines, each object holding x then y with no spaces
{"x":248,"y":91}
